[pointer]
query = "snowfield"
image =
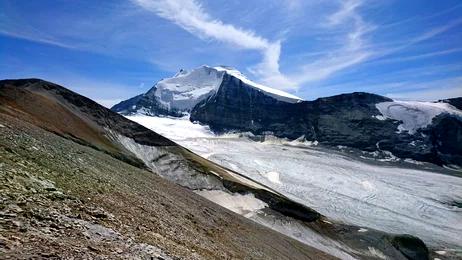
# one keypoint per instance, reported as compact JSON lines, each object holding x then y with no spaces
{"x":387,"y":196}
{"x":414,"y":114}
{"x":187,"y":88}
{"x":174,"y":128}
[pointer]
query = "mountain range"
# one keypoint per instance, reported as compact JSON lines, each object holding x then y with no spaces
{"x":226,"y":101}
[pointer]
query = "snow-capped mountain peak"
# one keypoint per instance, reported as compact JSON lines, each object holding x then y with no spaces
{"x":188,"y":88}
{"x":182,"y":92}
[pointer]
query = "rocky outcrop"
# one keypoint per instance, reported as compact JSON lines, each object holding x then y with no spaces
{"x":456,"y":102}
{"x":445,"y":135}
{"x":145,"y":104}
{"x":237,"y":107}
{"x":412,"y":247}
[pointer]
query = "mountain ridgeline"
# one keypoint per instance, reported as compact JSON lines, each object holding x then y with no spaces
{"x":422,"y":131}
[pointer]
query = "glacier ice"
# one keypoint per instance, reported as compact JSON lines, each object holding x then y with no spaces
{"x":386,"y":196}
{"x":414,"y":114}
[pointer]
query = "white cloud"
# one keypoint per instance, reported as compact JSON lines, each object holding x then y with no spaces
{"x":292,"y":5}
{"x":190,"y":15}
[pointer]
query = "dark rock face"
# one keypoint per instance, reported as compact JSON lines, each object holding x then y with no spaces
{"x":236,"y":106}
{"x":340,"y":120}
{"x":347,"y":119}
{"x":333,"y":120}
{"x":148,"y":102}
{"x":456,"y":102}
{"x":411,"y":247}
{"x":446,"y":136}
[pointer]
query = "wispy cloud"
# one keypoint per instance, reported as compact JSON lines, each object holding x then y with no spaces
{"x":357,"y":49}
{"x":37,"y":38}
{"x":353,"y":42}
{"x":378,"y":55}
{"x":191,"y":16}
{"x":421,"y":56}
{"x":432,"y":32}
{"x":430,"y":91}
{"x":346,"y":20}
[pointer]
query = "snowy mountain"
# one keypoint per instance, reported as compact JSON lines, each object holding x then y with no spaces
{"x":226,"y":101}
{"x":179,"y":94}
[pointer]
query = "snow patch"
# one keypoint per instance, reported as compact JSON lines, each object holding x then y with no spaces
{"x":380,"y":117}
{"x":440,"y":252}
{"x":173,"y":127}
{"x":246,"y":205}
{"x":414,"y":114}
{"x":273,"y":177}
{"x":408,"y":160}
{"x":389,"y":157}
{"x":367,"y":185}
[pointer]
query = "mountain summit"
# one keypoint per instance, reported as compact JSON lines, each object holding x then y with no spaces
{"x":179,"y":94}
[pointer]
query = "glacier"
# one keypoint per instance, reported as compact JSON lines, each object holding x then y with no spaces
{"x":392,"y":196}
{"x":414,"y":114}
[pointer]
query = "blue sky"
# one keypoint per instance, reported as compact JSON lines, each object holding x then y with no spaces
{"x":112,"y":50}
